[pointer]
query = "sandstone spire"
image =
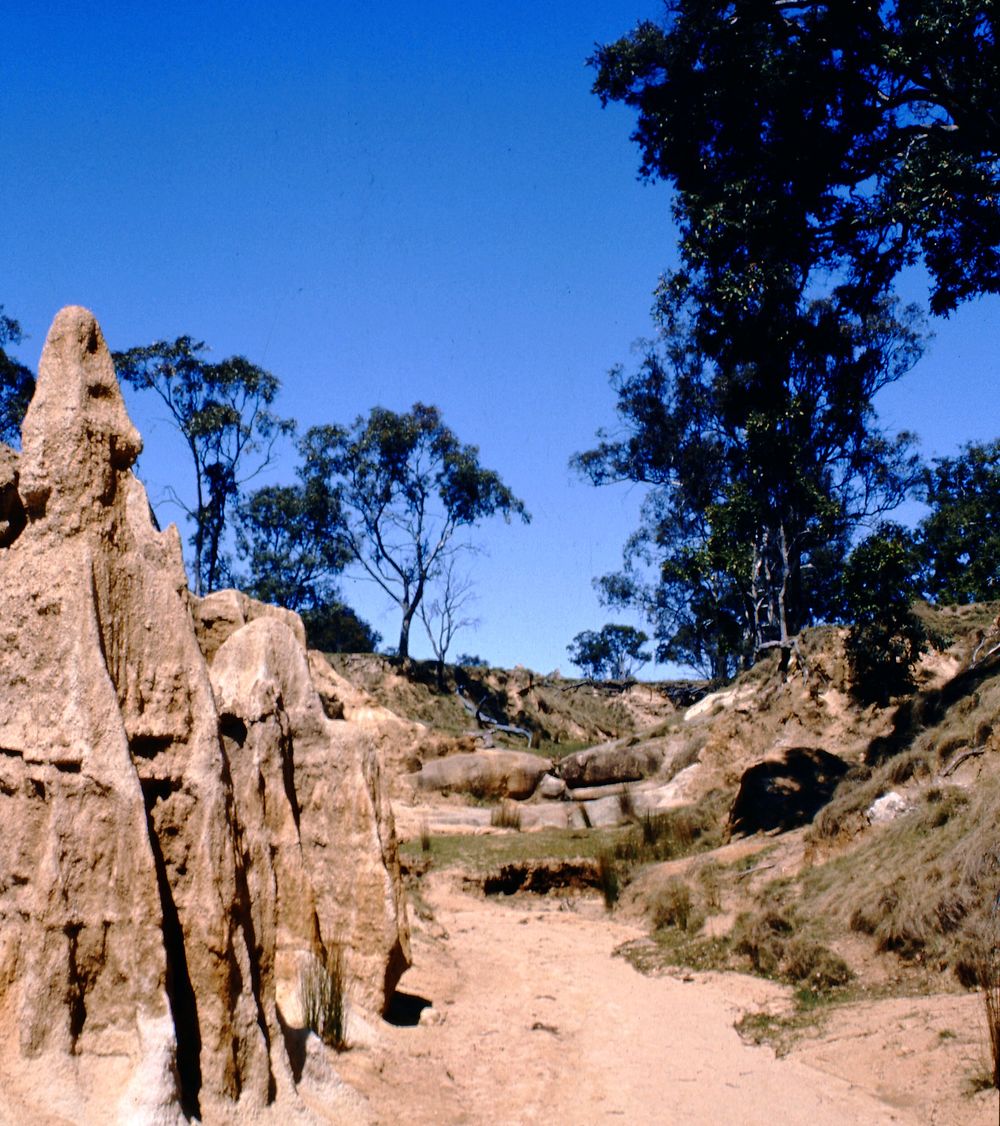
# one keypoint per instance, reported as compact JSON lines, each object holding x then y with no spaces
{"x":151,"y":912}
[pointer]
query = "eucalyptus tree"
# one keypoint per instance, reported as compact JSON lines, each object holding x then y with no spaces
{"x":614,"y":652}
{"x":406,"y":486}
{"x":814,"y":149}
{"x":224,"y":413}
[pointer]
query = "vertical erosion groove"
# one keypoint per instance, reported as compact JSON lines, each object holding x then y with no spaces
{"x":180,"y":992}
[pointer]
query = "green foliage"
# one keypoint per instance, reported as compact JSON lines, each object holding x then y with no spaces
{"x":17,"y":384}
{"x":405,"y":485}
{"x":333,"y":627}
{"x":283,"y":531}
{"x":886,"y":637}
{"x":961,"y":535}
{"x":223,"y":413}
{"x":286,"y":533}
{"x":673,"y":906}
{"x":814,"y":150}
{"x":851,"y":135}
{"x":613,"y":653}
{"x":760,"y":470}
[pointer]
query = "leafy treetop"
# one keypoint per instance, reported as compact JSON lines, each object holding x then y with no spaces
{"x":406,"y":485}
{"x":613,"y":653}
{"x":224,"y":413}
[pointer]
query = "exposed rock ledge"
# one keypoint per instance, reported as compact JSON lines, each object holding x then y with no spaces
{"x":167,"y":862}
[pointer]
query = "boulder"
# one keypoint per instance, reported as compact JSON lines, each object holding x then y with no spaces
{"x":551,"y":787}
{"x":785,"y":791}
{"x":887,"y":808}
{"x":223,"y":612}
{"x":484,"y":774}
{"x":609,"y":763}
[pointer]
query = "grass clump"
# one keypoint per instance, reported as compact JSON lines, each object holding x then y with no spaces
{"x":608,"y":878}
{"x":676,"y":833}
{"x":323,"y":994}
{"x":979,"y":966}
{"x":673,"y":906}
{"x":506,"y":815}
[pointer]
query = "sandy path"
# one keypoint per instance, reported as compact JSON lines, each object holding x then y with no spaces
{"x":533,"y":1020}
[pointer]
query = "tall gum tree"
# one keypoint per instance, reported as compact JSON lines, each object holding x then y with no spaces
{"x":814,"y":149}
{"x":224,"y":414}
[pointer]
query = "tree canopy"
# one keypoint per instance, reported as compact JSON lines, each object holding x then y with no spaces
{"x":864,"y":134}
{"x":406,"y":485}
{"x":960,"y":537}
{"x":224,"y":413}
{"x":760,"y":477}
{"x":614,"y":652}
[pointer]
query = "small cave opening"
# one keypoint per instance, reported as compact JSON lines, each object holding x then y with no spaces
{"x":404,"y":1009}
{"x":233,"y":728}
{"x":149,"y":746}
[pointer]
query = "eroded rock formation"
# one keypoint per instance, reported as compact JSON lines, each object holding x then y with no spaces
{"x":162,"y":874}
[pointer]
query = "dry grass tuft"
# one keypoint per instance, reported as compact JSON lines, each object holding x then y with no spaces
{"x":506,"y":815}
{"x":323,"y":993}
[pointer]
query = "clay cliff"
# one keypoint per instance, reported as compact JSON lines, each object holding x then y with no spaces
{"x":179,"y":838}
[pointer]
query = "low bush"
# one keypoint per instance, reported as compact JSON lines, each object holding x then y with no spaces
{"x":814,"y":966}
{"x":761,"y":937}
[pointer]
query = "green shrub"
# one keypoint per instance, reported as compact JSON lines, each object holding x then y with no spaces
{"x":762,"y":937}
{"x":710,"y":877}
{"x":815,"y":966}
{"x":886,"y":638}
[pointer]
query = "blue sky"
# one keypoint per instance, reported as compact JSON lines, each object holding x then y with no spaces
{"x":380,"y":203}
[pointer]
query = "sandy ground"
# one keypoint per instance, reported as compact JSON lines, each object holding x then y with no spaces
{"x":533,"y":1019}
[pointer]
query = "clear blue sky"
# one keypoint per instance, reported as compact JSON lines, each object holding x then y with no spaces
{"x":380,"y":203}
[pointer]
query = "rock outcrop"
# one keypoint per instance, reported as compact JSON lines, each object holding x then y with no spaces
{"x":609,"y":763}
{"x":164,"y":871}
{"x":484,"y":774}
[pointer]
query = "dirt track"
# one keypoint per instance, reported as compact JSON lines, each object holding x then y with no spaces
{"x":534,"y":1020}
